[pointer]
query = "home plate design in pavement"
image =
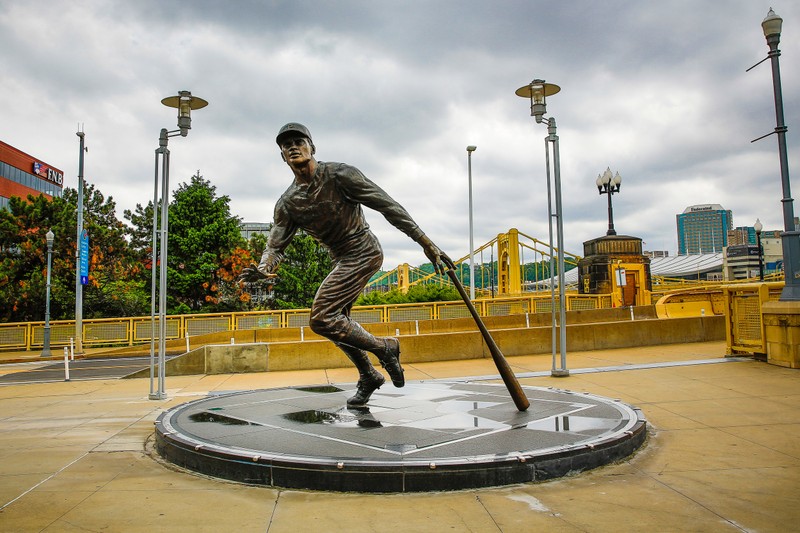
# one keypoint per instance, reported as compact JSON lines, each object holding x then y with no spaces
{"x":437,"y":435}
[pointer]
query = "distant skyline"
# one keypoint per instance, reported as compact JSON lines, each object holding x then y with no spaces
{"x":655,"y":91}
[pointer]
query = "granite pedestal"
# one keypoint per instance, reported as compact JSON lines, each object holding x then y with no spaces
{"x":437,"y":435}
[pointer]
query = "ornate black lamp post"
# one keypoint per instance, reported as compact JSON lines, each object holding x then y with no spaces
{"x":758,"y":227}
{"x":608,"y":184}
{"x":790,"y":238}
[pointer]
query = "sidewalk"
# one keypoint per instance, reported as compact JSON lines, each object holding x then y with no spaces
{"x":722,"y":455}
{"x":33,"y":356}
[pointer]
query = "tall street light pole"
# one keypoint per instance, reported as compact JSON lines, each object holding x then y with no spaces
{"x":790,"y":238}
{"x":185,"y":103}
{"x":79,"y":251}
{"x":471,"y":149}
{"x":608,"y":184}
{"x":49,"y":237}
{"x":537,"y":92}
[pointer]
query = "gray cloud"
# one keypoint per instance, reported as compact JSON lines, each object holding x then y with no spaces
{"x":656,"y":91}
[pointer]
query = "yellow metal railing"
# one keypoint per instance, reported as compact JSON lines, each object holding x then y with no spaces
{"x":744,"y":327}
{"x":740,"y":303}
{"x":139,"y":330}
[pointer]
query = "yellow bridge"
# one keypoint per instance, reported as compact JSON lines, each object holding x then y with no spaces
{"x":512,"y":277}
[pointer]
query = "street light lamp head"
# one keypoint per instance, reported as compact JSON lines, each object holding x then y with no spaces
{"x":608,"y":181}
{"x":471,"y":148}
{"x":49,"y":237}
{"x":538,"y":91}
{"x":758,"y":227}
{"x":184,"y":103}
{"x":772,"y":25}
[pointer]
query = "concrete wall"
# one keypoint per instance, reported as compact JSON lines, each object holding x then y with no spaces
{"x":782,"y":333}
{"x":458,"y":340}
{"x":217,"y":359}
{"x":457,"y":345}
{"x":270,"y":335}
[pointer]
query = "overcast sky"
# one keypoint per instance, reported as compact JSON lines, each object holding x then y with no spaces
{"x":654,"y":90}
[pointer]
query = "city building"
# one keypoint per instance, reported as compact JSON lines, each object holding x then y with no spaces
{"x":742,"y":235}
{"x":22,"y":174}
{"x":742,"y":260}
{"x":656,"y":253}
{"x":772,"y":251}
{"x":248,"y":229}
{"x":703,"y":229}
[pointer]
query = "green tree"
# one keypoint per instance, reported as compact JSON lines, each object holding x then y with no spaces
{"x":140,"y":231}
{"x":372,"y":298}
{"x":23,"y":259}
{"x":114,"y":287}
{"x":305,"y":265}
{"x":206,"y":250}
{"x":430,"y":292}
{"x":256,"y":245}
{"x":140,"y":239}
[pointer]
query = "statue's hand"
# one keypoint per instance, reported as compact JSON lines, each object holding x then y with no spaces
{"x":251,"y":273}
{"x":436,"y":256}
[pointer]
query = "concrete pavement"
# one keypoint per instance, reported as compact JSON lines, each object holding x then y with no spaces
{"x":722,"y":455}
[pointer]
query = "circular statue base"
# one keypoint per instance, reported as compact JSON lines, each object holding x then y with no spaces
{"x":427,"y":436}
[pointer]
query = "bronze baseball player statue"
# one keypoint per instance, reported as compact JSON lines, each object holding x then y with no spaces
{"x":325,"y":200}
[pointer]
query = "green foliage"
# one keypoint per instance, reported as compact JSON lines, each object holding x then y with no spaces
{"x":432,"y":293}
{"x":206,"y":254}
{"x":416,"y":294}
{"x":257,"y":243}
{"x":371,"y":298}
{"x":206,"y":250}
{"x":23,"y":258}
{"x":140,"y":231}
{"x":303,"y":269}
{"x":113,"y":288}
{"x":204,"y":246}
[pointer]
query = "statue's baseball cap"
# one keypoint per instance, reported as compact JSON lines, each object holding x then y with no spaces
{"x":292,"y":129}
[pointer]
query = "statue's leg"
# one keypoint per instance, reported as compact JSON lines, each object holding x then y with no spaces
{"x":369,"y":379}
{"x":386,"y":349}
{"x":330,"y":312}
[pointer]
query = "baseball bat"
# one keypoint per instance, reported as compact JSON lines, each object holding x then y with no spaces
{"x":510,"y":380}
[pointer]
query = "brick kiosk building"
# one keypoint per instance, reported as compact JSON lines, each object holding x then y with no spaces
{"x":22,"y":174}
{"x":615,"y":265}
